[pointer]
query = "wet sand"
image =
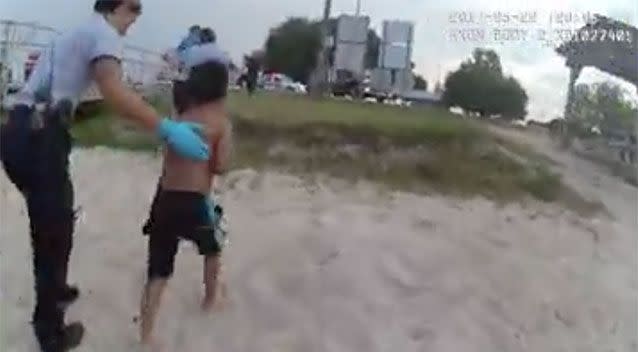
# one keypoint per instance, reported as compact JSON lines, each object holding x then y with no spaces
{"x":328,"y":266}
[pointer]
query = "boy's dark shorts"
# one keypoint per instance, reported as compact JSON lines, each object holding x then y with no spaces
{"x":177,"y":215}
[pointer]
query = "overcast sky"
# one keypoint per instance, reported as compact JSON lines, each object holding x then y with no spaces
{"x":242,"y":25}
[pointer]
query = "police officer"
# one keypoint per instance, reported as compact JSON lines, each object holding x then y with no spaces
{"x":35,"y":146}
{"x":193,"y":38}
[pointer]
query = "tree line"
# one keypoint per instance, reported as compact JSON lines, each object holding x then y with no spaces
{"x":292,"y":48}
{"x":603,"y":108}
{"x":478,"y":85}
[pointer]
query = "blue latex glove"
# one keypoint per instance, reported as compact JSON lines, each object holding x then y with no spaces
{"x":184,"y":139}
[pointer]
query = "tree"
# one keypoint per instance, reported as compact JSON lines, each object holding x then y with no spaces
{"x":488,"y":60}
{"x":479,"y":86}
{"x":511,"y":99}
{"x":293,"y":46}
{"x":420,"y":83}
{"x":604,"y":106}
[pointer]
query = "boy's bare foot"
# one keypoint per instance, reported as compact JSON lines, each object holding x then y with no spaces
{"x":212,"y":304}
{"x":216,"y":302}
{"x":208,"y":304}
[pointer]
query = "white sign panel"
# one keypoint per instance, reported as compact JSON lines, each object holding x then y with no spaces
{"x":397,"y":31}
{"x":351,"y":42}
{"x":380,"y":80}
{"x":350,"y":57}
{"x":396,"y":45}
{"x":395,"y":57}
{"x":352,"y":29}
{"x":392,"y":81}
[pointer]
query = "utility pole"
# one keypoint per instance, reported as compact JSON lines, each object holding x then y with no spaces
{"x":320,"y":77}
{"x":4,"y":58}
{"x":358,"y":12}
{"x":326,"y":12}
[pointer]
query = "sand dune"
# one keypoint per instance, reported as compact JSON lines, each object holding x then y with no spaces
{"x":328,"y":266}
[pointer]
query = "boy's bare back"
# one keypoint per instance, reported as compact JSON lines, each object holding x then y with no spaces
{"x":182,"y":174}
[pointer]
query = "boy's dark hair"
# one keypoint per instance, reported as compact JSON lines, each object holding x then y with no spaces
{"x":206,"y":83}
{"x":106,"y":6}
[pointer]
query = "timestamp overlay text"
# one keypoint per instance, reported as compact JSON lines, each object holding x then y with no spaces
{"x":547,"y":29}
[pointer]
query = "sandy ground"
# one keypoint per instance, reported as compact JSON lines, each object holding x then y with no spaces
{"x":327,"y":266}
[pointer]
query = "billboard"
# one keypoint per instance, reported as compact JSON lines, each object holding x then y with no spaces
{"x":397,"y":31}
{"x":353,"y":29}
{"x":396,"y":45}
{"x":350,"y":57}
{"x":392,"y":81}
{"x":351,"y":42}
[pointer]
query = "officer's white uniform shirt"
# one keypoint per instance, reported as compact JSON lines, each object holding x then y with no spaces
{"x":73,"y":54}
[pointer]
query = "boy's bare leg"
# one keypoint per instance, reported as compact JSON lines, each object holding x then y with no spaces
{"x":151,"y":298}
{"x":212,"y":266}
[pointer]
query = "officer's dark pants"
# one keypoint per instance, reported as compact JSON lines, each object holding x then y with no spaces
{"x":36,"y":161}
{"x":251,"y":84}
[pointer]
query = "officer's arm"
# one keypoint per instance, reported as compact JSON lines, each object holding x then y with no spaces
{"x":107,"y":73}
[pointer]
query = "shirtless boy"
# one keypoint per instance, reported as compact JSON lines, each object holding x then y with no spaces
{"x":181,"y":207}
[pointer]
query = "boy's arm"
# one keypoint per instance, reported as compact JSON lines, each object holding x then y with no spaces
{"x":220,"y":161}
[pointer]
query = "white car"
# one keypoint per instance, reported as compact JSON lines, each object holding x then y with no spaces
{"x":281,"y":82}
{"x":9,"y":97}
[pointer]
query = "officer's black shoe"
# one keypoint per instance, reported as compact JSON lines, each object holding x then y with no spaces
{"x":71,"y":337}
{"x":65,"y":340}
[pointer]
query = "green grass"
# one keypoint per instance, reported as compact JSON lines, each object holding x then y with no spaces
{"x":403,"y":126}
{"x":105,"y":130}
{"x":413,"y":149}
{"x":457,"y":156}
{"x":97,"y":126}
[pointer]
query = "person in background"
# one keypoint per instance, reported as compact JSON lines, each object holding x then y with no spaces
{"x":193,"y":38}
{"x":176,"y":58}
{"x":252,"y":75}
{"x":208,"y":36}
{"x":35,"y":145}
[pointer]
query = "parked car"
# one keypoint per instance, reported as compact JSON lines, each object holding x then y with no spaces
{"x":346,"y":87}
{"x":9,"y":96}
{"x":281,"y":82}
